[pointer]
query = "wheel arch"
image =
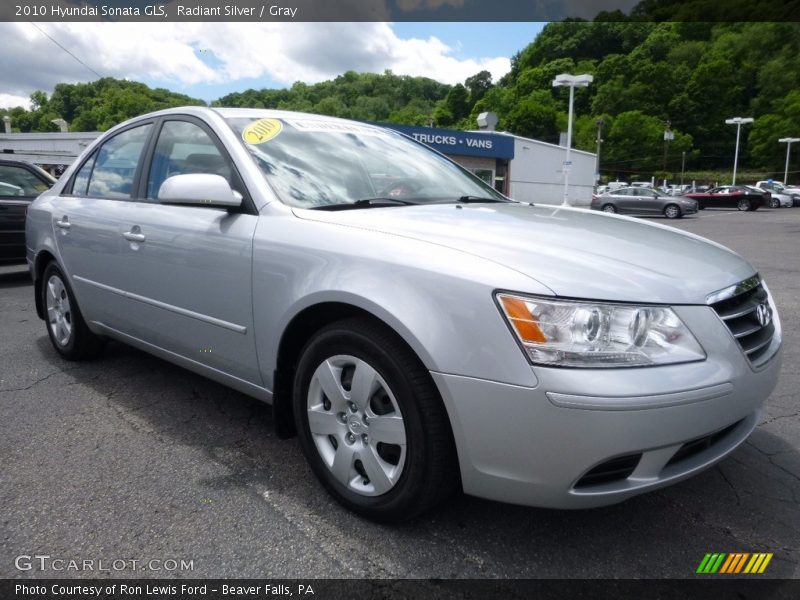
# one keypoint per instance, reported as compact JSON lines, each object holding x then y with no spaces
{"x":299,"y":330}
{"x":40,"y":262}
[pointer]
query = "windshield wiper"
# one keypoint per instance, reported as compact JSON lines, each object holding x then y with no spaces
{"x":366,"y":203}
{"x":477,"y":199}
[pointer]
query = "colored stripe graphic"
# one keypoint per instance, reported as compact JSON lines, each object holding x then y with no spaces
{"x":733,"y":563}
{"x":711,"y":563}
{"x":703,"y":563}
{"x":765,"y":563}
{"x":732,"y":560}
{"x":741,"y":562}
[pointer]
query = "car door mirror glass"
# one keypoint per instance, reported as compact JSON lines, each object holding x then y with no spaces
{"x":204,"y":189}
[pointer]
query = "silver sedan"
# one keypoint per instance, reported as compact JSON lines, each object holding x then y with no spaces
{"x":418,"y":331}
{"x":642,"y":201}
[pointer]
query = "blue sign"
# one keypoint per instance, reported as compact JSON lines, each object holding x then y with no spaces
{"x":461,"y":143}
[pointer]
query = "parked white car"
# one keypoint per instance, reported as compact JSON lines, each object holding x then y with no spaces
{"x":777,"y":187}
{"x":776,"y":199}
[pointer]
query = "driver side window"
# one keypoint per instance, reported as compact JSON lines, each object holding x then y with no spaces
{"x":182,"y":148}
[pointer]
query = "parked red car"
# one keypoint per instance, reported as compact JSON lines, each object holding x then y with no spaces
{"x":730,"y":196}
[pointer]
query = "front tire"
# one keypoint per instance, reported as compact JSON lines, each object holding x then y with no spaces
{"x":371,"y":422}
{"x":672,"y":211}
{"x":743,"y":205}
{"x":65,"y":325}
{"x":774,"y":203}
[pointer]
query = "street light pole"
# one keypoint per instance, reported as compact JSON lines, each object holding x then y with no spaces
{"x":788,"y":142}
{"x":738,"y":121}
{"x":571,"y":81}
{"x":683,"y":164}
{"x":600,"y":124}
{"x":668,"y":136}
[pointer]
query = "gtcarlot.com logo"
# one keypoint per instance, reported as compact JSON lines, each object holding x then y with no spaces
{"x":742,"y":563}
{"x":45,"y":562}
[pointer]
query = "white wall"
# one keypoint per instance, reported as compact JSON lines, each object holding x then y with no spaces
{"x":536,"y":173}
{"x":45,"y":148}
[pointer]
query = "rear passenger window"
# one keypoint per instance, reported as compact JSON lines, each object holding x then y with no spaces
{"x":184,"y":147}
{"x":115,"y":166}
{"x":81,"y":182}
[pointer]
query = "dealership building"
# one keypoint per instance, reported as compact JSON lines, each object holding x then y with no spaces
{"x":524,"y":169}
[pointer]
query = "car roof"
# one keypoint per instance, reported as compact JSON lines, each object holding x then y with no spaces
{"x":209,"y":113}
{"x":234,"y":113}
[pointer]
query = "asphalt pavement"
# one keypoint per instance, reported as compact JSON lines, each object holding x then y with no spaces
{"x":128,"y":457}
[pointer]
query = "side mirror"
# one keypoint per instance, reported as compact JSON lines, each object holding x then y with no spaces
{"x":201,"y":189}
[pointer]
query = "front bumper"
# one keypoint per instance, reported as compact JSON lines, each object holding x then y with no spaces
{"x":532,"y":445}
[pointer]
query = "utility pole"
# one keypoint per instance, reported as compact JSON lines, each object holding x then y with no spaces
{"x":668,"y":136}
{"x":683,"y":164}
{"x":600,"y":124}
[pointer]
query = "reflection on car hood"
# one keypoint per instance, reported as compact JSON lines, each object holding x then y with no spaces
{"x":576,"y":253}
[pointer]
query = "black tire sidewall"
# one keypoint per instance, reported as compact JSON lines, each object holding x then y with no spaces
{"x":334,"y":341}
{"x":82,"y":343}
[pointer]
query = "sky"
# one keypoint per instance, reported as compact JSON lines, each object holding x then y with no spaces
{"x":209,"y":60}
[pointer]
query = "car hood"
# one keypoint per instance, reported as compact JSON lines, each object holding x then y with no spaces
{"x":576,"y":253}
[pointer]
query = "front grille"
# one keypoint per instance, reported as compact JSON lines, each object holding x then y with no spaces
{"x":612,"y":470}
{"x":740,"y":314}
{"x":690,"y":449}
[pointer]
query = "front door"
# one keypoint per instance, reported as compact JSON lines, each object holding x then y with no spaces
{"x":188,"y":269}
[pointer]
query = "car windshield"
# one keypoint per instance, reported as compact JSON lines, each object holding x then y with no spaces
{"x":317,"y":163}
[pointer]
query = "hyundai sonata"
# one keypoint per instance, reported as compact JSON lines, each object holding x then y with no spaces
{"x":419,"y":332}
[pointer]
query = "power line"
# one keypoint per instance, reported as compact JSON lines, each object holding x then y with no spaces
{"x":48,"y":36}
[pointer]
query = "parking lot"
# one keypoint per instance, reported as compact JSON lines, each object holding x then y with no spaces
{"x":129,"y":457}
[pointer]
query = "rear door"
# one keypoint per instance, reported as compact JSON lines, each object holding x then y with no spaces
{"x":19,"y":186}
{"x":626,"y":201}
{"x":87,"y":221}
{"x":648,"y":202}
{"x":188,"y":269}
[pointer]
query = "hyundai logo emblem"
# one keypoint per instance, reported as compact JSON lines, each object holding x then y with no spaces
{"x":764,"y":314}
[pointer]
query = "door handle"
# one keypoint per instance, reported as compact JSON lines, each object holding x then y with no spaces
{"x":134,"y":236}
{"x":63,"y":223}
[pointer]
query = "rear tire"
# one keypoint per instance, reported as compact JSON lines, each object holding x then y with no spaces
{"x":371,"y":423}
{"x":609,"y":208}
{"x":774,"y":203}
{"x":65,"y":325}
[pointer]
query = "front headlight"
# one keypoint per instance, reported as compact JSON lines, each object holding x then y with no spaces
{"x":568,"y":333}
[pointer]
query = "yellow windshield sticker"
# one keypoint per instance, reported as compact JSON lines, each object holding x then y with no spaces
{"x":261,"y":131}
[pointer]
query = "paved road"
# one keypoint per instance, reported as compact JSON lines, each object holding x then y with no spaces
{"x":129,"y":457}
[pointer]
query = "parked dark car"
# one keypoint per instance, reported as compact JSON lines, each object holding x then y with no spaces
{"x":20,"y":183}
{"x":643,"y":201}
{"x":730,"y":196}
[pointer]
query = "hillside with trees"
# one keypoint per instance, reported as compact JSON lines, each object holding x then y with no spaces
{"x":94,"y":106}
{"x":648,"y":76}
{"x":694,"y":75}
